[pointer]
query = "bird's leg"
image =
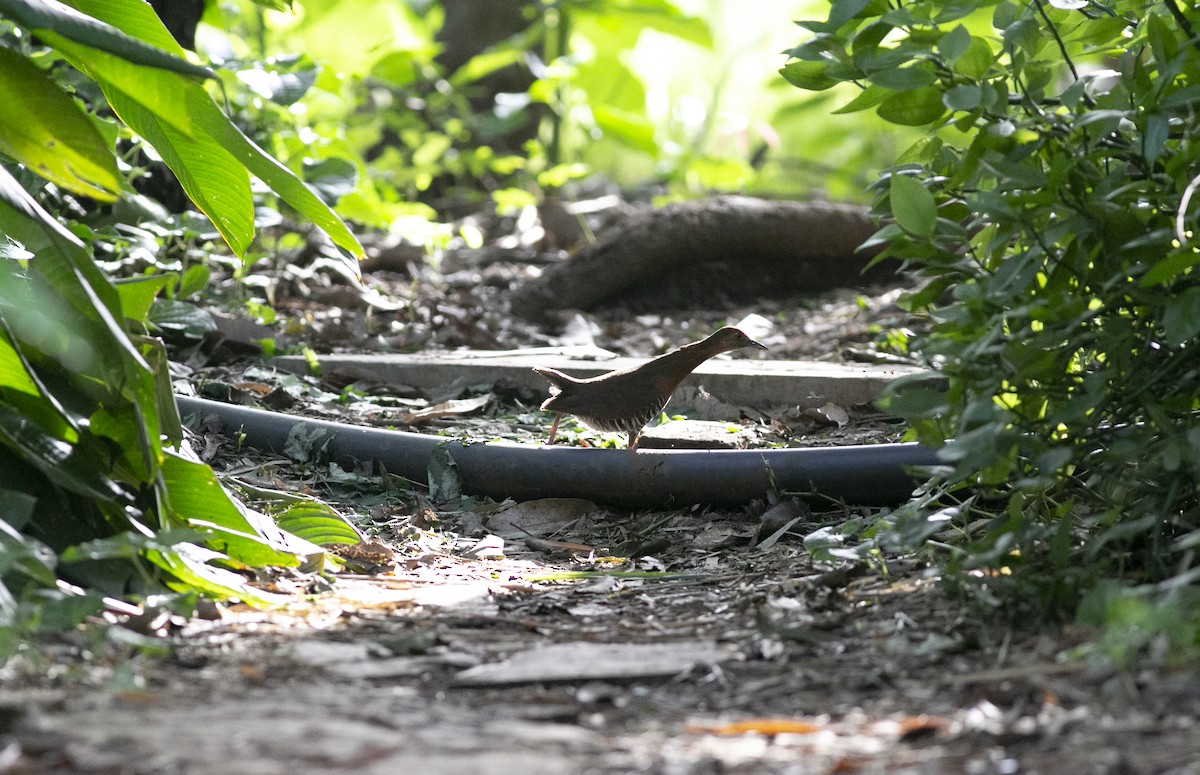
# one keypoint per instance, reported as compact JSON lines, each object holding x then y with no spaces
{"x":554,"y":427}
{"x":633,"y":441}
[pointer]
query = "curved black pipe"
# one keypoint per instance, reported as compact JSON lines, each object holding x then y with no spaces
{"x":872,"y":474}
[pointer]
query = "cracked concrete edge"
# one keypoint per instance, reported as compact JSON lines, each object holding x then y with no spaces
{"x":756,"y":383}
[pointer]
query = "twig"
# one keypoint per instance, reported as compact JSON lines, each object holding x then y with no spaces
{"x":1062,"y":47}
{"x":1182,"y":21}
{"x":1180,"y":234}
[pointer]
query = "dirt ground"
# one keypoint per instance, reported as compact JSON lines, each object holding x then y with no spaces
{"x":707,"y":655}
{"x":566,"y":637}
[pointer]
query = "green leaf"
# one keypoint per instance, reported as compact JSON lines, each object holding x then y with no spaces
{"x":1170,"y":268}
{"x":195,"y":499}
{"x":67,"y":297}
{"x":918,"y":107}
{"x":194,"y":280}
{"x":45,"y":130}
{"x":808,"y":75}
{"x":1181,"y":318}
{"x":913,"y":206}
{"x":485,"y":64}
{"x":55,"y":17}
{"x":212,"y":177}
{"x":279,"y":178}
{"x":445,"y":483}
{"x":976,"y":61}
{"x":189,"y":564}
{"x":631,"y":129}
{"x":964,"y":96}
{"x":13,"y":373}
{"x":317,"y":522}
{"x":867,"y":98}
{"x":954,"y":44}
{"x":18,"y":551}
{"x":74,"y":468}
{"x":906,"y":79}
{"x":840,"y":12}
{"x":138,"y":293}
{"x":181,"y":317}
{"x":158,"y":91}
{"x":207,"y":153}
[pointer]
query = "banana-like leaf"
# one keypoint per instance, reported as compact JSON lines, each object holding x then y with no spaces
{"x":52,"y":16}
{"x":190,"y":565}
{"x":45,"y":130}
{"x":319,"y":523}
{"x":206,"y":164}
{"x":192,"y":490}
{"x":213,"y":179}
{"x":160,"y":92}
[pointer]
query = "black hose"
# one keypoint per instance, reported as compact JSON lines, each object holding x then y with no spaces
{"x":871,"y":474}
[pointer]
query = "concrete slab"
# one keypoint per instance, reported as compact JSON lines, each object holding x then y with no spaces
{"x":754,"y":383}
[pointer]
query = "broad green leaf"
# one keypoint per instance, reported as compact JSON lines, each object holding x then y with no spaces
{"x":485,"y":64}
{"x":808,"y":75}
{"x":840,"y":12}
{"x":13,"y":374}
{"x":280,"y":179}
{"x":214,"y":179}
{"x":317,"y":522}
{"x":138,"y":456}
{"x":62,"y":20}
{"x":867,"y":98}
{"x":1181,"y":318}
{"x":196,"y":499}
{"x":138,"y":293}
{"x":181,"y":317}
{"x":21,"y":389}
{"x":134,"y":18}
{"x":68,"y":466}
{"x":905,"y":79}
{"x":975,"y":62}
{"x":66,"y":295}
{"x":45,"y":130}
{"x":194,"y":280}
{"x":954,"y":44}
{"x":964,"y":96}
{"x":300,"y":515}
{"x":913,"y":205}
{"x":631,"y":129}
{"x":169,"y":425}
{"x":1170,"y":267}
{"x":190,"y":564}
{"x":283,"y":85}
{"x":161,"y":93}
{"x":918,"y":107}
{"x":17,"y":550}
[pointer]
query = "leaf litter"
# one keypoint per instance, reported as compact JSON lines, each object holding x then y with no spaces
{"x":740,"y":653}
{"x":469,"y":636}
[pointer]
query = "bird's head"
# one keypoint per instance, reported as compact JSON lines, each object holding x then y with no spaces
{"x":730,"y":338}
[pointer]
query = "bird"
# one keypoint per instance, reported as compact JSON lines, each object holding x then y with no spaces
{"x":624,"y":401}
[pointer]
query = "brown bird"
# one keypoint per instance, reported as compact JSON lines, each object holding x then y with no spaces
{"x":624,"y":401}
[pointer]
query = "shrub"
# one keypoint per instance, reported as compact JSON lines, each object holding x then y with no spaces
{"x":1049,"y":210}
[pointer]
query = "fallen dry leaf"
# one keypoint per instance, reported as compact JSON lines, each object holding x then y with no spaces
{"x":758,"y":726}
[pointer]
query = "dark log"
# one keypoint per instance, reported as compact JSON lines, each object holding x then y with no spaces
{"x":700,"y":252}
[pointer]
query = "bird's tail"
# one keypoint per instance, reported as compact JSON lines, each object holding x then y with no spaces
{"x":558,"y":381}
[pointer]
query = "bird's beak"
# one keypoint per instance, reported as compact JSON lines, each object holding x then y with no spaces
{"x":756,"y":345}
